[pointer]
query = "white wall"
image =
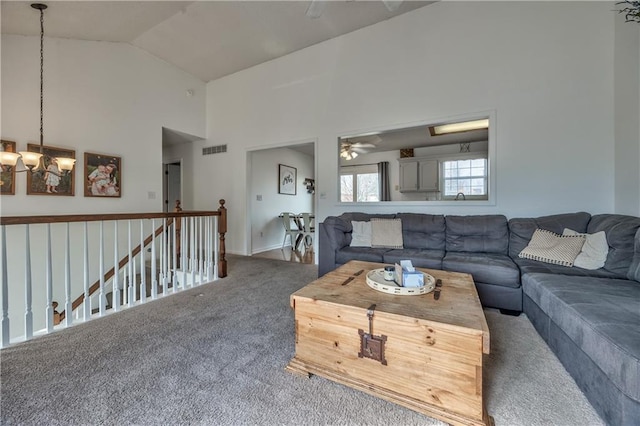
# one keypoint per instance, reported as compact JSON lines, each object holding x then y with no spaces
{"x":267,"y":230}
{"x":546,"y":68}
{"x":99,"y":97}
{"x":627,"y":117}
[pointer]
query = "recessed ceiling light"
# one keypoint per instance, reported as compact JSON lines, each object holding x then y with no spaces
{"x":463,"y":126}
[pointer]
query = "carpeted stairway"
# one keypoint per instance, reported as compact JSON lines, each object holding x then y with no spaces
{"x":215,"y":355}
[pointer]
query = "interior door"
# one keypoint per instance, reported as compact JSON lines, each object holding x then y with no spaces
{"x":172,"y":185}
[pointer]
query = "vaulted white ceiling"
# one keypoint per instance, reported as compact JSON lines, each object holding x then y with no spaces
{"x":208,"y":39}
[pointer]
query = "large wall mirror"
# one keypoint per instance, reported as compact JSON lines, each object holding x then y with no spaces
{"x":442,"y":161}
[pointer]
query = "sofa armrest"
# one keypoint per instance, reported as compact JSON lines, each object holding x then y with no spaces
{"x":333,"y":234}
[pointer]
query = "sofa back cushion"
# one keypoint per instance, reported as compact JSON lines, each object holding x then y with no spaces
{"x":521,"y":229}
{"x":621,"y":231}
{"x":477,"y":234}
{"x":422,"y":231}
{"x":634,"y":269}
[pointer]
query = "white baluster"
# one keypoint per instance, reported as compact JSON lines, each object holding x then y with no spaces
{"x":5,"y":291}
{"x":49,"y":282}
{"x":216,"y":242}
{"x":183,"y":250}
{"x":132,"y":278}
{"x":154,"y":281}
{"x":174,"y":255}
{"x":125,"y":290}
{"x":163,"y":257}
{"x":68,"y":312}
{"x":87,"y":298}
{"x":207,"y":239}
{"x":201,"y":252}
{"x":194,"y":255}
{"x":115,"y":292}
{"x":102,"y":297}
{"x":28,"y":314}
{"x":143,"y":266}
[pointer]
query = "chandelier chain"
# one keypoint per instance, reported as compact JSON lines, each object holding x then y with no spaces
{"x":41,"y":77}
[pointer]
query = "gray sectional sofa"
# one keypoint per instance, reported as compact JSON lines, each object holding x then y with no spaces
{"x":589,"y":318}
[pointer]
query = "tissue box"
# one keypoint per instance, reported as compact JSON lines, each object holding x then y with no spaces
{"x":407,"y":276}
{"x":412,"y":279}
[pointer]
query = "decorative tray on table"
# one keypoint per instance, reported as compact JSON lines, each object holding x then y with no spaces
{"x":375,"y":280}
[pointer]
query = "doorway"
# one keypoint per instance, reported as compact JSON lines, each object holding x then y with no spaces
{"x":171,"y":185}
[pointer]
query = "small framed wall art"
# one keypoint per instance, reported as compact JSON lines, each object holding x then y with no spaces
{"x":50,"y":180}
{"x":8,"y":175}
{"x":102,"y":175}
{"x":287,"y":179}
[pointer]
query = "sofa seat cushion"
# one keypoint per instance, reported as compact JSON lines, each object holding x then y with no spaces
{"x":488,"y":268}
{"x":419,"y":258}
{"x":528,"y":266}
{"x":366,"y":254}
{"x":600,"y":315}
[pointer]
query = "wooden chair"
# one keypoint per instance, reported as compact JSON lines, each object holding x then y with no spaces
{"x":293,"y":234}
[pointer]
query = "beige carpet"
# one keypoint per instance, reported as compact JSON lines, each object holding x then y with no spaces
{"x":215,"y":355}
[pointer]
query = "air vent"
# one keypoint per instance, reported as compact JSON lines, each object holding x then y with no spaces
{"x":214,"y":149}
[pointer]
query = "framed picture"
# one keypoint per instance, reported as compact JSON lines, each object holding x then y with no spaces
{"x":8,"y":175}
{"x":287,"y":179}
{"x":102,"y":175}
{"x":50,"y":180}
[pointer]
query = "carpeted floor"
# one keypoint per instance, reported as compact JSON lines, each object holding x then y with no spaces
{"x":215,"y":355}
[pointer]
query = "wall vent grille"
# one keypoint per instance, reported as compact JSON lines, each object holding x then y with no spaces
{"x":218,"y":149}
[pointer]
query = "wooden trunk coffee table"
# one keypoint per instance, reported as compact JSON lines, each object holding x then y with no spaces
{"x":421,"y":353}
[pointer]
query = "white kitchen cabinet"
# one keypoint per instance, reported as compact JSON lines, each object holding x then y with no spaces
{"x":419,"y":175}
{"x":428,"y":175}
{"x":408,"y":176}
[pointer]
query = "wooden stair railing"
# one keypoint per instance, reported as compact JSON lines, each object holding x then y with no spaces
{"x":179,"y":213}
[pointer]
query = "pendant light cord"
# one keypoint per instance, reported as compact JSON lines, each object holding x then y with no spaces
{"x":41,"y":77}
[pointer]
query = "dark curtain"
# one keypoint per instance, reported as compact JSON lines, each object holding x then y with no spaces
{"x":383,"y":181}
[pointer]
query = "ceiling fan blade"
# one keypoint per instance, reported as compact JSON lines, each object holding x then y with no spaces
{"x":392,"y":5}
{"x":359,"y":150}
{"x":315,"y":9}
{"x":363,"y":145}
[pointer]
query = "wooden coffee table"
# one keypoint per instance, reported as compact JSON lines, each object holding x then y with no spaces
{"x":421,"y":353}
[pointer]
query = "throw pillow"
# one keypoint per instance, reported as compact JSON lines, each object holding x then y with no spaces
{"x":594,"y":251}
{"x":386,"y":233}
{"x":361,"y":235}
{"x":549,"y":247}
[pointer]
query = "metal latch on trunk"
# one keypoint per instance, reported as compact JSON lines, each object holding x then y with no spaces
{"x":372,"y":346}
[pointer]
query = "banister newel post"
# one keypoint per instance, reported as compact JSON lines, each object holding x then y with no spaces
{"x":222,"y":230}
{"x":177,"y":223}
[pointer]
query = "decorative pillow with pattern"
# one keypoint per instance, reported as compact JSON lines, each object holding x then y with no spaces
{"x":549,"y":247}
{"x":386,"y":233}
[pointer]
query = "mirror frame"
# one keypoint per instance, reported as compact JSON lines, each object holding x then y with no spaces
{"x":491,"y":159}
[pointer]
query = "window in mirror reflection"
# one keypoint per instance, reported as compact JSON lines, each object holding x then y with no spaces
{"x":359,"y":184}
{"x":465,"y":177}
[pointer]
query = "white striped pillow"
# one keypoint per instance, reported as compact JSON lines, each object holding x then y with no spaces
{"x":549,"y":247}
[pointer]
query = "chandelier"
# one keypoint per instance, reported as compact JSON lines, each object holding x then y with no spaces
{"x":33,"y":160}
